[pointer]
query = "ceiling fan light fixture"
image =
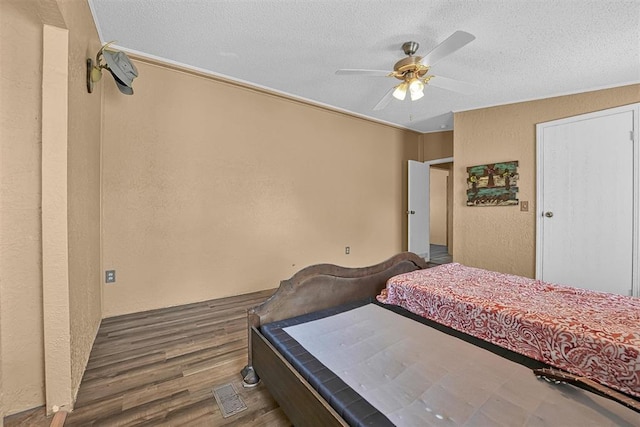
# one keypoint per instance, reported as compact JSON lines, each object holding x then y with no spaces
{"x":413,"y":71}
{"x":415,"y":95}
{"x":401,"y":91}
{"x":416,"y":88}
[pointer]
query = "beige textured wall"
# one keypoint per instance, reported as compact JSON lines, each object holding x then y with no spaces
{"x":212,"y":190}
{"x":503,"y":238}
{"x":20,"y":222}
{"x":438,"y":206}
{"x":83,"y":161}
{"x":21,"y":314}
{"x":436,"y":145}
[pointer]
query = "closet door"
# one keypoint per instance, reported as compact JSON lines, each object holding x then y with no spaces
{"x":586,"y":209}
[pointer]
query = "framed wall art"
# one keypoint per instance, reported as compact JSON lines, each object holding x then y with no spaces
{"x":494,"y":184}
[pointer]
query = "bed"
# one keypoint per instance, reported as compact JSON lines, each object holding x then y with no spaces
{"x":587,"y":333}
{"x":305,"y":385}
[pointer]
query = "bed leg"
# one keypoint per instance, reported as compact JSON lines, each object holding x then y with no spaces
{"x":249,"y":377}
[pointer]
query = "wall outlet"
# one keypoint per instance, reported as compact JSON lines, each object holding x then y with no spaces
{"x":110,"y":276}
{"x":524,"y":206}
{"x":347,"y":250}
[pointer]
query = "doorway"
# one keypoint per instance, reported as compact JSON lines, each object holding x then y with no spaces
{"x":587,"y":201}
{"x":440,"y":212}
{"x":419,"y":210}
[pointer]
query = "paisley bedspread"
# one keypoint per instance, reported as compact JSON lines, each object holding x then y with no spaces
{"x":588,"y":333}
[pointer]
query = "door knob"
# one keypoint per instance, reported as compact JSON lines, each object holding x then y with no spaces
{"x":548,"y":214}
{"x":411,"y":212}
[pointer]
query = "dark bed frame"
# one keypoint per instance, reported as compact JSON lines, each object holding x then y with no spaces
{"x":311,"y":289}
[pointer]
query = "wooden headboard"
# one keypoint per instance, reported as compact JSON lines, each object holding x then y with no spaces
{"x":326,"y":285}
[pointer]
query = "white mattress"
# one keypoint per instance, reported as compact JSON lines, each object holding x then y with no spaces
{"x":418,"y":376}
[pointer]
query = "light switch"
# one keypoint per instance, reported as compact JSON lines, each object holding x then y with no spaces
{"x":524,"y":206}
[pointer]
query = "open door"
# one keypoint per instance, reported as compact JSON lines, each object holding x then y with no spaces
{"x":418,"y":209}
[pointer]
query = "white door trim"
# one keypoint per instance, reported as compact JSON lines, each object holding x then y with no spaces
{"x":635,"y":108}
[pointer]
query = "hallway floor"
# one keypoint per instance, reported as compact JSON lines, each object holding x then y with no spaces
{"x":439,"y":255}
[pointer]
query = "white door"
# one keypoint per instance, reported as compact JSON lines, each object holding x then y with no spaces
{"x":418,"y":209}
{"x":586,"y":221}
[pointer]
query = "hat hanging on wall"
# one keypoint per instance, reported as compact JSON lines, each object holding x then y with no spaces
{"x":117,"y":63}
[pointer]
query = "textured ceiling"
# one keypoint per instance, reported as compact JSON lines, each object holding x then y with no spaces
{"x":523,"y":49}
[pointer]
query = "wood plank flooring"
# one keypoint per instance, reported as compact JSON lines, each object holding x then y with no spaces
{"x":439,"y":255}
{"x":36,"y":417}
{"x":159,"y":368}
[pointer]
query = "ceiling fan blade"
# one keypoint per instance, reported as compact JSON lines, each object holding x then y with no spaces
{"x":353,"y":71}
{"x":452,"y":85}
{"x":385,"y":100}
{"x":455,"y":41}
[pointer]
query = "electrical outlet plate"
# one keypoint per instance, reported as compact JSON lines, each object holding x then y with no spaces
{"x":110,"y":276}
{"x":347,"y":250}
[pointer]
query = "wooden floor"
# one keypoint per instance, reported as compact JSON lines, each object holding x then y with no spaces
{"x":159,"y":368}
{"x":439,"y":255}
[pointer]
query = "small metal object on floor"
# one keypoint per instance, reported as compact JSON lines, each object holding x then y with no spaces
{"x":228,"y":400}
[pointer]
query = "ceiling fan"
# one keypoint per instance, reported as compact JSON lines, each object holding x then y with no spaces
{"x":413,"y":70}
